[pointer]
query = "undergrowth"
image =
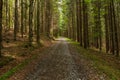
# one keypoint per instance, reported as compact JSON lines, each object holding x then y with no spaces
{"x":17,"y":68}
{"x":103,"y":66}
{"x":5,"y":60}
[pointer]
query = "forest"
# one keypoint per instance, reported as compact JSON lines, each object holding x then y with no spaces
{"x":46,"y":37}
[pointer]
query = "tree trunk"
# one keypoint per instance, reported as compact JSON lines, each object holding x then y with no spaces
{"x":115,"y":30}
{"x":38,"y":21}
{"x":1,"y":3}
{"x":22,"y":18}
{"x":16,"y":20}
{"x":31,"y":22}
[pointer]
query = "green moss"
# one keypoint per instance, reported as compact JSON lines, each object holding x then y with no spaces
{"x":17,"y":68}
{"x":102,"y":65}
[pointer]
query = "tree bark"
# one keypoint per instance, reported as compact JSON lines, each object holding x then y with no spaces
{"x":31,"y":22}
{"x":38,"y":21}
{"x":1,"y":3}
{"x":16,"y":20}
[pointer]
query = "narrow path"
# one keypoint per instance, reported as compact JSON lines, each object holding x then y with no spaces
{"x":61,"y":62}
{"x":58,"y":65}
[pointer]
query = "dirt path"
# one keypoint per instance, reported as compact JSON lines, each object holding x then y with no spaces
{"x":60,"y":62}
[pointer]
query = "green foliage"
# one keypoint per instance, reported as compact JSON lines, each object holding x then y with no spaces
{"x":17,"y":68}
{"x":64,"y":14}
{"x":13,"y":70}
{"x":88,"y":1}
{"x":99,"y":63}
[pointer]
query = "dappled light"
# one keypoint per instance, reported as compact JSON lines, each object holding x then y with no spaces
{"x":59,"y":40}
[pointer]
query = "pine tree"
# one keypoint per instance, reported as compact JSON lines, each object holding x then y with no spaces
{"x":1,"y":3}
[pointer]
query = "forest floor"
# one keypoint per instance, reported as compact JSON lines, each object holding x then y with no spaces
{"x":17,"y":54}
{"x":66,"y":60}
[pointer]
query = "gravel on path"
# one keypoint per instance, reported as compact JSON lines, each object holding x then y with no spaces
{"x":60,"y":62}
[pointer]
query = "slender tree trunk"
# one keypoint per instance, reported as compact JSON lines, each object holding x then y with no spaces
{"x":31,"y":22}
{"x":25,"y":16}
{"x":16,"y":20}
{"x":1,"y":3}
{"x":42,"y":17}
{"x":85,"y":25}
{"x":78,"y":19}
{"x":80,"y":22}
{"x":22,"y":18}
{"x":9,"y":16}
{"x":38,"y":21}
{"x":111,"y":29}
{"x":115,"y":30}
{"x":107,"y":29}
{"x":48,"y":15}
{"x":99,"y":25}
{"x":6,"y":14}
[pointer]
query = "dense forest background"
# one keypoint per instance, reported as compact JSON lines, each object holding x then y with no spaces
{"x":93,"y":23}
{"x":27,"y":20}
{"x":59,"y":36}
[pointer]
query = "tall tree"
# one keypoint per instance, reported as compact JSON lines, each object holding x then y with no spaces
{"x":22,"y":17}
{"x":1,"y":3}
{"x":115,"y":28}
{"x":85,"y":24}
{"x":107,"y":28}
{"x":38,"y":22}
{"x":25,"y":16}
{"x":6,"y":14}
{"x":78,"y":19}
{"x":16,"y":20}
{"x":31,"y":21}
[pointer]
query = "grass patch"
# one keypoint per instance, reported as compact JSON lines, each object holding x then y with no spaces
{"x":67,"y":39}
{"x":17,"y":68}
{"x":103,"y":66}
